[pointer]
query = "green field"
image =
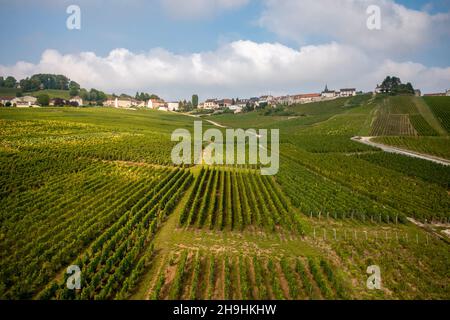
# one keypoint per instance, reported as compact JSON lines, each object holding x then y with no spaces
{"x":11,"y":92}
{"x":404,"y":116}
{"x":63,"y":94}
{"x":96,"y":187}
{"x":441,"y":109}
{"x":8,"y":92}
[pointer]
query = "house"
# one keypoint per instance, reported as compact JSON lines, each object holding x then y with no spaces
{"x":242,"y":103}
{"x":235,"y":108}
{"x":378,"y":89}
{"x":348,"y":92}
{"x":78,"y":100}
{"x":225,"y":103}
{"x":58,"y":102}
{"x":306,"y":98}
{"x":434,"y":95}
{"x":26,"y":101}
{"x":5,"y":100}
{"x":269,"y":99}
{"x":173,"y":106}
{"x":123,"y":103}
{"x":417,"y":93}
{"x":155,"y":103}
{"x":140,"y":104}
{"x":163,"y":108}
{"x":109,"y":103}
{"x":328,"y":94}
{"x":447,"y":93}
{"x":211,"y":104}
{"x":284,"y":100}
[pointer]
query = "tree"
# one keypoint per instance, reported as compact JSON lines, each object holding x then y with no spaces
{"x":73,"y":84}
{"x":2,"y":82}
{"x":74,"y":89}
{"x":19,"y":94}
{"x":195,"y":101}
{"x":10,"y":82}
{"x":84,"y":94}
{"x":394,"y":85}
{"x":73,"y":92}
{"x":409,"y":88}
{"x":43,"y":99}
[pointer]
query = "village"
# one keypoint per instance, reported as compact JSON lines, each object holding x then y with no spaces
{"x":210,"y":105}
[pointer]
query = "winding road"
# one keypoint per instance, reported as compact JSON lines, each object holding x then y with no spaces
{"x":409,"y":153}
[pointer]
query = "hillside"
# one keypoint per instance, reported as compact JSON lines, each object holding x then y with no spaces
{"x":63,"y":94}
{"x":424,"y":128}
{"x":8,"y":92}
{"x":404,"y":116}
{"x":142,"y":228}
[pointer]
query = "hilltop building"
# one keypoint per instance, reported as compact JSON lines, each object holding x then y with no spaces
{"x":5,"y":100}
{"x":379,"y":89}
{"x":306,"y":98}
{"x":155,"y":103}
{"x":328,"y":94}
{"x":173,"y":106}
{"x":26,"y":101}
{"x":210,"y":104}
{"x":77,"y":100}
{"x":348,"y":92}
{"x":224,"y":103}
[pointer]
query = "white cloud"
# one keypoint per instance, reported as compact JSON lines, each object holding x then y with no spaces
{"x":241,"y":68}
{"x":199,"y":8}
{"x":345,"y":21}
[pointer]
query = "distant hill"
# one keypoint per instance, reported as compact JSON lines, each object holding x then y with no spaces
{"x":52,"y":93}
{"x":6,"y":92}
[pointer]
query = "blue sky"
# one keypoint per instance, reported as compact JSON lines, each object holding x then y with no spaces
{"x":35,"y":27}
{"x":29,"y":28}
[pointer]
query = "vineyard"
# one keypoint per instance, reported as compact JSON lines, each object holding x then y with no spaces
{"x":98,"y":220}
{"x":359,"y":182}
{"x":413,"y":167}
{"x":317,"y":196}
{"x":399,"y":116}
{"x":196,"y":275}
{"x":95,"y":188}
{"x":436,"y":146}
{"x":234,"y":199}
{"x":441,"y":108}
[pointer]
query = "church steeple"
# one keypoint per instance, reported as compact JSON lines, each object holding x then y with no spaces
{"x":326,"y":88}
